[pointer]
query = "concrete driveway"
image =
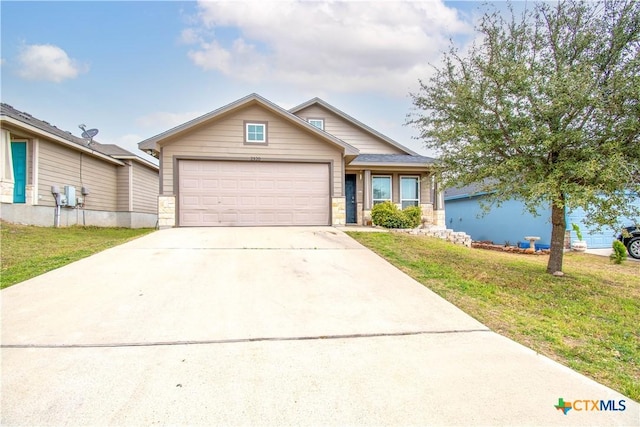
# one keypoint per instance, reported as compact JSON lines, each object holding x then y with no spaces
{"x":266,"y":326}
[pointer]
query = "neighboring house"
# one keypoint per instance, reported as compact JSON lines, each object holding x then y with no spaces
{"x":254,"y":163}
{"x":511,"y":222}
{"x":112,"y":186}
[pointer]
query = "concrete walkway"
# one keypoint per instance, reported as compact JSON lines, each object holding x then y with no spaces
{"x":266,"y":326}
{"x":608,"y":251}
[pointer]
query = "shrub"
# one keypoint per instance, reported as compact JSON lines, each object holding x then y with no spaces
{"x":388,"y":215}
{"x":619,"y":252}
{"x":414,"y":214}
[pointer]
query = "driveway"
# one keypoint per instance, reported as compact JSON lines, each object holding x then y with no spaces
{"x":266,"y":326}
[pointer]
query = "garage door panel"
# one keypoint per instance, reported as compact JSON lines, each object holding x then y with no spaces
{"x":191,"y":184}
{"x":220,"y":193}
{"x":210,"y":183}
{"x":247,"y":184}
{"x":266,"y":183}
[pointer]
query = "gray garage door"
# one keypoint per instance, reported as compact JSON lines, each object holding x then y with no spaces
{"x":228,"y":193}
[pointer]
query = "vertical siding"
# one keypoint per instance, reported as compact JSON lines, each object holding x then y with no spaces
{"x":225,"y":139}
{"x":145,"y":189}
{"x":60,"y":166}
{"x":346,"y":131}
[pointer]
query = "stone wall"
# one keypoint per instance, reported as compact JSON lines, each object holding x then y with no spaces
{"x":166,"y":211}
{"x":440,"y":232}
{"x":338,"y":211}
{"x":6,"y":192}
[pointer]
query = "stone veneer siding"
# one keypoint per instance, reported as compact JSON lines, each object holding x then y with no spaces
{"x":6,"y":192}
{"x":338,"y":211}
{"x":166,"y":211}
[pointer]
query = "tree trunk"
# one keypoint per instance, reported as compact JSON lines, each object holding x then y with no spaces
{"x":558,"y":227}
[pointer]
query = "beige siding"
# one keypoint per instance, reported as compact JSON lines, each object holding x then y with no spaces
{"x":346,"y":131}
{"x":425,"y":184}
{"x":122,"y":183}
{"x":145,"y":189}
{"x":225,"y":139}
{"x":60,"y":166}
{"x":30,"y":150}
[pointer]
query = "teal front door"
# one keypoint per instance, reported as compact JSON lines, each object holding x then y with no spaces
{"x":19,"y":156}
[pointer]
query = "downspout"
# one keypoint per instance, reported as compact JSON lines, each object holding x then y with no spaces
{"x":56,"y":195}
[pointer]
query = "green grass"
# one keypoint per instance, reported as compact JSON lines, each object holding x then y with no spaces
{"x":588,"y":320}
{"x":29,"y":251}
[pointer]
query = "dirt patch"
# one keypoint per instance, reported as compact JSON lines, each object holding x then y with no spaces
{"x":513,"y":249}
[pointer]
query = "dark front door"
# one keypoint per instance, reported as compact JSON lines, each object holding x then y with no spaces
{"x":19,"y":156}
{"x":350,"y":193}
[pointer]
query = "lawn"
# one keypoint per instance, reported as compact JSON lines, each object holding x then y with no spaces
{"x":588,"y":320}
{"x":29,"y":251}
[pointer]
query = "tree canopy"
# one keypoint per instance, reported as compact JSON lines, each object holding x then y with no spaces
{"x":543,"y":107}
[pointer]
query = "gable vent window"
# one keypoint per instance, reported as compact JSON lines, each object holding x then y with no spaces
{"x":255,"y":133}
{"x":319,"y":123}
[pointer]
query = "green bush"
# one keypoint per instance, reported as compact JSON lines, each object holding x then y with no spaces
{"x":619,"y":252}
{"x":414,"y":213}
{"x":388,"y":215}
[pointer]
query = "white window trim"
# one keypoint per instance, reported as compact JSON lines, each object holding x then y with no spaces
{"x":402,"y":199}
{"x":390,"y":199}
{"x":310,"y":119}
{"x":246,"y":133}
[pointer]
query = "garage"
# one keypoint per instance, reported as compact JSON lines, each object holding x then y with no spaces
{"x":258,"y":193}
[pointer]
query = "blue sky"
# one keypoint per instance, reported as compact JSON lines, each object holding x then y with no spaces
{"x":135,"y":69}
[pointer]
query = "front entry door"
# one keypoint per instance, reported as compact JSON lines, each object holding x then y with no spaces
{"x":19,"y":156}
{"x":350,"y":193}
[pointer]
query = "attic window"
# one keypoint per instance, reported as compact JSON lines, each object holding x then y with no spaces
{"x":255,"y":132}
{"x":319,"y":123}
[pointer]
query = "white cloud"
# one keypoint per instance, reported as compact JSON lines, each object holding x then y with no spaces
{"x":47,"y":62}
{"x":346,"y":46}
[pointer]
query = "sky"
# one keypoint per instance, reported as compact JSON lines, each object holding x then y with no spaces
{"x":136,"y":69}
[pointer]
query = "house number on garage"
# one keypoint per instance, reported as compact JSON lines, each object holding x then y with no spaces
{"x":255,"y":159}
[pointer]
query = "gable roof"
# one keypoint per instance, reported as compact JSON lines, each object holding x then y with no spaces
{"x":150,"y":144}
{"x":475,"y":189}
{"x":109,"y":152}
{"x":391,"y":160}
{"x":353,"y":121}
{"x":120,"y":153}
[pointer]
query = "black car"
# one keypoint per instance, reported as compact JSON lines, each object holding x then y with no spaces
{"x":630,"y":236}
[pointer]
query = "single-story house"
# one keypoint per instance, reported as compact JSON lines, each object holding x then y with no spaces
{"x":511,"y":222}
{"x":96,"y":184}
{"x":252,"y":163}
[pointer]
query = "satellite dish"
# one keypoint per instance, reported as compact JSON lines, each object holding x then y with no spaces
{"x":88,"y":133}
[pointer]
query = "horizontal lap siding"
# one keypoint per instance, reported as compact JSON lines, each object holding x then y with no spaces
{"x":343,"y":129}
{"x":225,"y":139}
{"x":122,"y":179}
{"x":145,"y":189}
{"x":424,"y":178}
{"x":60,"y":166}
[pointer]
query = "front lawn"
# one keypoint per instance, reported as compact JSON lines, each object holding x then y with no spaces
{"x":587,"y":320}
{"x":29,"y":251}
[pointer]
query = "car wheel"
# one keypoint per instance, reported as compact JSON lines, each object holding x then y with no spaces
{"x":633,"y":246}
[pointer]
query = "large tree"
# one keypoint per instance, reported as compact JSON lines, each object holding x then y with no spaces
{"x":545,"y":108}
